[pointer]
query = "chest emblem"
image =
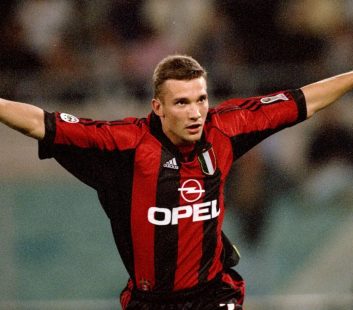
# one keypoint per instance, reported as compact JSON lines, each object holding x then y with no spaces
{"x":207,"y":161}
{"x":191,"y":190}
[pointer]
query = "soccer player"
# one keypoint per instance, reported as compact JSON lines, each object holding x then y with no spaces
{"x":160,"y":179}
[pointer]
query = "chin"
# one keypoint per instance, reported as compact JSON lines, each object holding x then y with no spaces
{"x":193,"y":139}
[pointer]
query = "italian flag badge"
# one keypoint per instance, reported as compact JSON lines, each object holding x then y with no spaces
{"x":207,"y":160}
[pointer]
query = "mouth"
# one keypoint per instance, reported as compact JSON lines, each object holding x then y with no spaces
{"x":193,"y":128}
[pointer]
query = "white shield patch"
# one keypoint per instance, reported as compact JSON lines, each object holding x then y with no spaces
{"x":207,"y":160}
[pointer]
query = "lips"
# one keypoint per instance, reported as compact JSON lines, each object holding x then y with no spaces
{"x":194,"y":128}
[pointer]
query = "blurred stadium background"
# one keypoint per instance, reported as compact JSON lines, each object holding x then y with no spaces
{"x":290,"y":200}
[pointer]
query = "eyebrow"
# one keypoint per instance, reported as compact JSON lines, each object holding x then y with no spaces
{"x":186,"y":99}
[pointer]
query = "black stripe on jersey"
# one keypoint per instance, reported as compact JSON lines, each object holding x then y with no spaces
{"x":89,"y":122}
{"x":115,"y":197}
{"x":45,"y":145}
{"x":248,"y":104}
{"x":209,"y":242}
{"x":244,"y":142}
{"x":253,"y":106}
{"x":299,"y":97}
{"x":99,"y":123}
{"x":166,"y":237}
{"x":223,"y":109}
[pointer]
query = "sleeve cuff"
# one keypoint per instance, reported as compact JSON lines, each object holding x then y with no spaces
{"x":45,"y":146}
{"x":299,"y":98}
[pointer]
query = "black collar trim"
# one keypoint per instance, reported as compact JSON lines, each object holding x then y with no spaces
{"x":156,"y":130}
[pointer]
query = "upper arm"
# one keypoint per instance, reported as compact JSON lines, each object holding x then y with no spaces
{"x":249,"y":121}
{"x":93,"y":151}
{"x":64,"y":131}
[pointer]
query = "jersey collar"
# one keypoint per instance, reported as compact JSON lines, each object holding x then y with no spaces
{"x":156,"y":130}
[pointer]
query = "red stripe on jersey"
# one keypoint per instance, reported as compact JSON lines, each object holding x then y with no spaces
{"x":143,"y":231}
{"x":191,"y":232}
{"x":104,"y":135}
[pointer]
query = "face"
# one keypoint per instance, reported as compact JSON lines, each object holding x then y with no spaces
{"x":182,"y":108}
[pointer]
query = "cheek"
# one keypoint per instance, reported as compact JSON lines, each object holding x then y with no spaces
{"x":175,"y":117}
{"x":204,"y":111}
{"x":176,"y":123}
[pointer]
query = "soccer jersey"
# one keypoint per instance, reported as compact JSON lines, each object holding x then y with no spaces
{"x":166,"y":212}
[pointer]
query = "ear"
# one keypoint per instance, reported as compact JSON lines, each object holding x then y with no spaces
{"x":157,"y":107}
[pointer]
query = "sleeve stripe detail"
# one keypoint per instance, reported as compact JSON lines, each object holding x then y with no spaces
{"x":299,"y":97}
{"x":44,"y":150}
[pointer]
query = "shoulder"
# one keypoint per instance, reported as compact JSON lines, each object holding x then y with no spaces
{"x":256,"y":102}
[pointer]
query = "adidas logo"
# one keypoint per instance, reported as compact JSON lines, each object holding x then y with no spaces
{"x":172,"y":164}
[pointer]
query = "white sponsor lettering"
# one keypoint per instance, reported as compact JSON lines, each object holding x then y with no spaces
{"x":202,"y":211}
{"x":181,"y":212}
{"x":164,"y":213}
{"x":198,"y":212}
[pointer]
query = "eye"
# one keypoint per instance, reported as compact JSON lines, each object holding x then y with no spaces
{"x":181,"y":102}
{"x":203,"y":98}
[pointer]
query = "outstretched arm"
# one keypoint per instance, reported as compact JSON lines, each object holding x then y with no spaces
{"x":321,"y":94}
{"x":25,"y":118}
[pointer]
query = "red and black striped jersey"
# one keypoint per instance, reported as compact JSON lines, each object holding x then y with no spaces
{"x":166,"y":212}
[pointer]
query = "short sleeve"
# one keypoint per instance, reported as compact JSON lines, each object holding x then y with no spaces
{"x":248,"y":121}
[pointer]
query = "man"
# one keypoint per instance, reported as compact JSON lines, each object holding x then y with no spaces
{"x":161,"y":179}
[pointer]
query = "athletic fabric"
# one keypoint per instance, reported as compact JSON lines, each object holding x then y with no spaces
{"x":166,"y":212}
{"x":226,"y":291}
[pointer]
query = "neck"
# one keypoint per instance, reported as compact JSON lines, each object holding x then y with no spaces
{"x":186,"y":149}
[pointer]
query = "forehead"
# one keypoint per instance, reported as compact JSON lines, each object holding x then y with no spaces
{"x":184,"y":88}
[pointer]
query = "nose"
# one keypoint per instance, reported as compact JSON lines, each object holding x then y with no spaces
{"x":194,"y":111}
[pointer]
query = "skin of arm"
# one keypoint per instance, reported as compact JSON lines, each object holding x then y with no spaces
{"x":321,"y":94}
{"x":29,"y":119}
{"x":25,"y":118}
